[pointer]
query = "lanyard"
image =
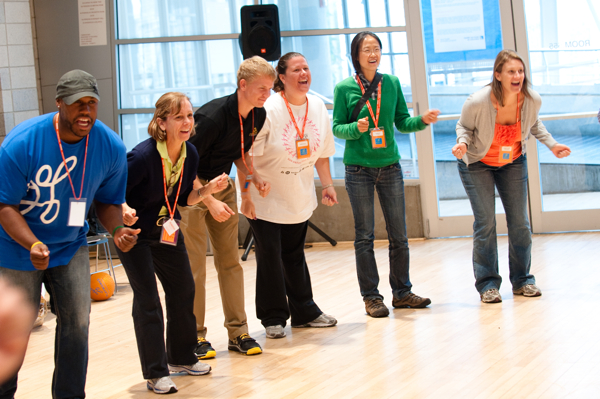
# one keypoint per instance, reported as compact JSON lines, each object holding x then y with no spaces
{"x":171,"y":212}
{"x":251,"y":168}
{"x":87,"y":140}
{"x":300,"y":134}
{"x":375,"y":120}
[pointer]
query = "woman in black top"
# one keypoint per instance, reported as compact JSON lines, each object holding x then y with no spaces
{"x":161,"y":174}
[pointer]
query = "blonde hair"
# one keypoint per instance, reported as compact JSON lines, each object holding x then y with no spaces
{"x":168,"y":104}
{"x":255,"y":67}
{"x":502,"y":58}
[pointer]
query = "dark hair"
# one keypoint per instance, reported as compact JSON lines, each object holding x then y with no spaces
{"x":502,"y":58}
{"x":282,"y":67}
{"x":355,"y":47}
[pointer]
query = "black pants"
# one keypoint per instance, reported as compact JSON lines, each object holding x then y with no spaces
{"x":172,"y":266}
{"x":283,"y":285}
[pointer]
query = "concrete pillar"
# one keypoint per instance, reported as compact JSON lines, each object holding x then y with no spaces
{"x":19,"y":98}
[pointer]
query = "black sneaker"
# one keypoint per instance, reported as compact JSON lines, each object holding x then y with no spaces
{"x":245,"y":344}
{"x":204,"y":350}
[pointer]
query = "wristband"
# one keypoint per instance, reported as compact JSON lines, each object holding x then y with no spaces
{"x":327,"y":186}
{"x":115,"y":229}
{"x":34,"y":244}
{"x":201,"y":196}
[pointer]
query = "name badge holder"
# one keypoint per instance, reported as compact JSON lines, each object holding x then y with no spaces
{"x":247,"y":183}
{"x":302,"y":143}
{"x":77,"y":205}
{"x":170,"y":232}
{"x":303,"y":149}
{"x":506,"y":154}
{"x":170,"y":229}
{"x":377,"y":133}
{"x":377,"y":138}
{"x":77,"y":212}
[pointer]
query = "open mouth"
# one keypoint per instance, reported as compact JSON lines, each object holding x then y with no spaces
{"x":303,"y":82}
{"x":83,"y":123}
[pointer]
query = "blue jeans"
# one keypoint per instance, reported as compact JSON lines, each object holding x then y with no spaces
{"x":69,"y":289}
{"x":479,"y":180}
{"x":361,"y":183}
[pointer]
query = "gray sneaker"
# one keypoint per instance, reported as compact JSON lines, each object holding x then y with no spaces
{"x":197,"y":368}
{"x":322,"y":321}
{"x":491,"y":296}
{"x":161,"y":385}
{"x":275,"y":331}
{"x":528,"y":290}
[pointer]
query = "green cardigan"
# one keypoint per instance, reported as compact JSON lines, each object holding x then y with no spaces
{"x":393,"y":111}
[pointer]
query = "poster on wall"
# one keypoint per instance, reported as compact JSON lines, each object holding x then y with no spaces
{"x":458,"y":25}
{"x":92,"y":23}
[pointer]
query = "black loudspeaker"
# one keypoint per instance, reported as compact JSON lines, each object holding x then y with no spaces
{"x":260,"y":32}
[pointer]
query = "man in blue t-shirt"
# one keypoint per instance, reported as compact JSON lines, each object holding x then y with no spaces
{"x":52,"y":168}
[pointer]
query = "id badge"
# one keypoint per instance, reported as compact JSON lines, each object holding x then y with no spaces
{"x":247,"y":183}
{"x":76,"y":212}
{"x":302,"y":148}
{"x":506,"y":154}
{"x":170,"y":232}
{"x":377,"y":137}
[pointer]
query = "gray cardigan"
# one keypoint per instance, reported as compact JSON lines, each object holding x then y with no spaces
{"x":477,"y":120}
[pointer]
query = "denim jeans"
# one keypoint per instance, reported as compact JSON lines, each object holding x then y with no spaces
{"x":283,"y":286}
{"x":146,"y":260}
{"x":479,"y":180}
{"x":361,"y":183}
{"x":69,"y":289}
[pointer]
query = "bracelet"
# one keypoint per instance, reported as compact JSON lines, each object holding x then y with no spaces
{"x":201,"y":196}
{"x":34,"y":244}
{"x":327,"y":186}
{"x":115,"y":229}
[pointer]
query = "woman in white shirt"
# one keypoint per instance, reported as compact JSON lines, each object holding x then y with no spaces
{"x":295,"y":137}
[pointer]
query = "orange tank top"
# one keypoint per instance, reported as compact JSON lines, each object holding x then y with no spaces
{"x":504,"y":136}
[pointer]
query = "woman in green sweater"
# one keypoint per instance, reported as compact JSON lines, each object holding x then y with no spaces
{"x":371,"y":158}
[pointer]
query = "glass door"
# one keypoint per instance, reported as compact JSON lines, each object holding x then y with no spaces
{"x":460,"y":42}
{"x":563,"y":42}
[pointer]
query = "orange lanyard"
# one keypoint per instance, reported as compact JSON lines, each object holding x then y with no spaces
{"x":87,"y":140}
{"x":375,"y":119}
{"x":171,"y":212}
{"x":300,"y":134}
{"x":251,"y":168}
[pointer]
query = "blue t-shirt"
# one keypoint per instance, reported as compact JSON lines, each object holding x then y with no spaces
{"x":33,"y":176}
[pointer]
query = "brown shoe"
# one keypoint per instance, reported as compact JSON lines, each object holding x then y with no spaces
{"x":376,"y":308}
{"x":411,"y":301}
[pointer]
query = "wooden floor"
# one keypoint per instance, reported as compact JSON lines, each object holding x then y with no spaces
{"x":545,"y":347}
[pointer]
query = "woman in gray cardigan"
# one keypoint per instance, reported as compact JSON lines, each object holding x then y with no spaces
{"x":492,"y":134}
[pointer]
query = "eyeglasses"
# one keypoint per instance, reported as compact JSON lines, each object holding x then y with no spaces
{"x":369,"y":51}
{"x":172,"y":181}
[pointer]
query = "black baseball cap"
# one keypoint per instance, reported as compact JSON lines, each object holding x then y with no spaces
{"x":76,"y":84}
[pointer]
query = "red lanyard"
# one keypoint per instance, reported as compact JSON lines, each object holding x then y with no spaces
{"x":171,"y":212}
{"x":87,"y":140}
{"x":375,"y":120}
{"x":300,"y":134}
{"x":251,"y":135}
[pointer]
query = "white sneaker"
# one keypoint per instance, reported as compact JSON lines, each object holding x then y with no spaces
{"x":161,"y":385}
{"x":197,"y":368}
{"x":275,"y":331}
{"x":324,"y":320}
